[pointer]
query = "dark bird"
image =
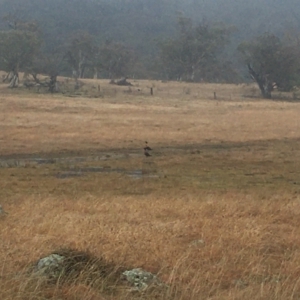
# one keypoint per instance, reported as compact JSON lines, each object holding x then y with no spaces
{"x":147,"y":154}
{"x":147,"y":148}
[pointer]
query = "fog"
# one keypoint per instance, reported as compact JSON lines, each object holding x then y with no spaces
{"x":140,"y":24}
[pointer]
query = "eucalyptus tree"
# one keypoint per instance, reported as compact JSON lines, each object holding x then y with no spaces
{"x":114,"y":59}
{"x":272,"y":62}
{"x":80,"y":51}
{"x":18,"y":48}
{"x":194,"y":51}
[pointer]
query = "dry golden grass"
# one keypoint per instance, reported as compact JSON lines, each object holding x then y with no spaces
{"x":54,"y":123}
{"x":218,"y":220}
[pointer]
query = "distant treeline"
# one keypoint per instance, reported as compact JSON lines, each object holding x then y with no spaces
{"x":161,"y":39}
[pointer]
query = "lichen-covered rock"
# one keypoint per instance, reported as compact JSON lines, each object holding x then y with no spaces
{"x":197,"y":243}
{"x":141,"y":279}
{"x":51,"y":266}
{"x":70,"y":265}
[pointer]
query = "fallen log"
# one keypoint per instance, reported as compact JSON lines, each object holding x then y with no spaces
{"x":122,"y":82}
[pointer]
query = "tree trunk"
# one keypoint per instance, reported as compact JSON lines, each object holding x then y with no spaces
{"x":82,"y":71}
{"x":95,"y":73}
{"x":8,"y":77}
{"x":14,"y":81}
{"x":266,"y":89}
{"x":76,"y":76}
{"x":192,"y":74}
{"x":81,"y":64}
{"x":264,"y":84}
{"x":53,"y":84}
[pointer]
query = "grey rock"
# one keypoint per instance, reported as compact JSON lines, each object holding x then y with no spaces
{"x":51,"y":265}
{"x":140,"y":279}
{"x":197,"y":243}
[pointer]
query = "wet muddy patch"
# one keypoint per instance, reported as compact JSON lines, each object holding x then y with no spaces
{"x":27,"y":162}
{"x":78,"y":172}
{"x":79,"y":166}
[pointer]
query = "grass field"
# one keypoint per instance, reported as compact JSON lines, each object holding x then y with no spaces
{"x":215,"y":212}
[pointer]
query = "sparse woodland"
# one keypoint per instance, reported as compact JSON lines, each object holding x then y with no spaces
{"x":169,"y":40}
